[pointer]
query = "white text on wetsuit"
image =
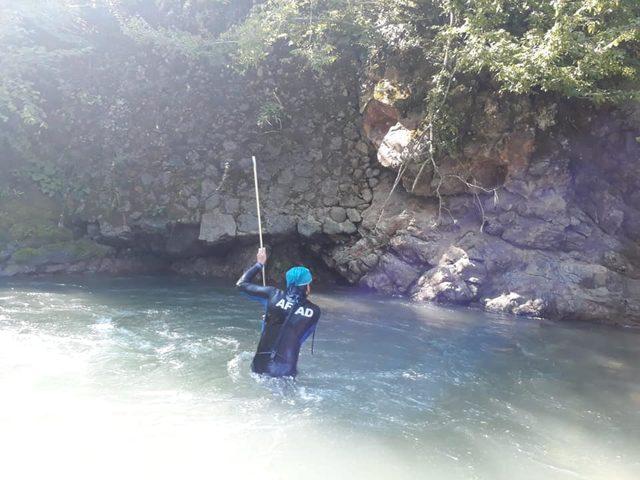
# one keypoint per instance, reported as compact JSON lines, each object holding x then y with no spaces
{"x":305,"y":312}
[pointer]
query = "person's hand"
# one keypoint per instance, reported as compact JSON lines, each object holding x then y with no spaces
{"x":261,"y":257}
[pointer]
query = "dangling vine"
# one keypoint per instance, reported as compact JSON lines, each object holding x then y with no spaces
{"x":435,"y":102}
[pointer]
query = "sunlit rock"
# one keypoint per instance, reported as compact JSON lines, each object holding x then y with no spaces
{"x":392,"y":146}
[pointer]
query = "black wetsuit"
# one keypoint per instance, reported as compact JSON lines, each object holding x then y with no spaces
{"x":289,"y":320}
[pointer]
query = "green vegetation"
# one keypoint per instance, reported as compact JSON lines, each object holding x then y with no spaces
{"x":174,"y":41}
{"x":84,"y":249}
{"x":38,"y":235}
{"x":37,"y":38}
{"x":579,"y":48}
{"x":46,"y":176}
{"x":62,"y":252}
{"x":586,"y":49}
{"x":31,"y":222}
{"x":5,"y":193}
{"x":271,"y":114}
{"x":24,"y":256}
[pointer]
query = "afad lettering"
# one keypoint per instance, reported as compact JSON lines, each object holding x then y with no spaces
{"x":305,"y":312}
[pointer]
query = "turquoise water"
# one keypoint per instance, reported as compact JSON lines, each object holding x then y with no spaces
{"x":150,"y":378}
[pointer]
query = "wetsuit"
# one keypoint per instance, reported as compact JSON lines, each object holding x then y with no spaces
{"x":289,"y":320}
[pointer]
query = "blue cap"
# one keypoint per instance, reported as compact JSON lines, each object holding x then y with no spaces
{"x":299,"y":276}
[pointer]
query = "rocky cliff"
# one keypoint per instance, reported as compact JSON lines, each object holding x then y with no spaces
{"x":533,"y":219}
{"x":537,"y":212}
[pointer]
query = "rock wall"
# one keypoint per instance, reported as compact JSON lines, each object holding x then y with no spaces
{"x":535,"y":220}
{"x":538,"y":214}
{"x":169,"y":175}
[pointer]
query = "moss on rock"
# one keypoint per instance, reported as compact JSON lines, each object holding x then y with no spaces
{"x":85,"y":249}
{"x":39,"y":235}
{"x":59,"y":253}
{"x":31,"y":221}
{"x":24,"y":256}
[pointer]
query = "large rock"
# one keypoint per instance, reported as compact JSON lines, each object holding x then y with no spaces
{"x":55,"y":257}
{"x":378,"y":119}
{"x":392,"y":146}
{"x":331,"y":227}
{"x":515,"y":303}
{"x":217,"y":227}
{"x":338,"y":214}
{"x":456,"y":279}
{"x":113,"y":234}
{"x":309,"y":227}
{"x":280,"y":224}
{"x":391,"y":275}
{"x":534,"y":233}
{"x":247,"y":223}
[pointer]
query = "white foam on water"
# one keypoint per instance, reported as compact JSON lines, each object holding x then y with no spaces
{"x":165,"y":350}
{"x":101,"y":390}
{"x":35,"y":356}
{"x":169,"y":334}
{"x":227,"y":342}
{"x":238,"y":366}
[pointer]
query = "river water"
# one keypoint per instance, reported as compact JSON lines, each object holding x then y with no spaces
{"x":150,"y":378}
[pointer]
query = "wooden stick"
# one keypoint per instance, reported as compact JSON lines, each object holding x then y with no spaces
{"x":255,"y":178}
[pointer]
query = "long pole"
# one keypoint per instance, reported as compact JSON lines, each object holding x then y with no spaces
{"x":255,"y":178}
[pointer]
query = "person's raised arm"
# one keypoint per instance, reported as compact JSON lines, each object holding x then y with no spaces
{"x":244,"y":282}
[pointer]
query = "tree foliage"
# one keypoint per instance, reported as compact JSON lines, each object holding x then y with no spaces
{"x":588,"y":49}
{"x":577,"y":48}
{"x":23,"y":54}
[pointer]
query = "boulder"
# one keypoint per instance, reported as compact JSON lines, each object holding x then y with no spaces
{"x":348,"y":228}
{"x":280,"y":224}
{"x":114,"y":235}
{"x":338,"y":214}
{"x":331,"y":227}
{"x":217,"y":227}
{"x":391,"y":275}
{"x":441,"y":285}
{"x":354,"y":215}
{"x":247,"y":223}
{"x":515,"y":303}
{"x":534,"y":233}
{"x":392,"y":146}
{"x":456,"y":279}
{"x":309,"y":227}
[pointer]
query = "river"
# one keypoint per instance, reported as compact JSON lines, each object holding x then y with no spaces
{"x":150,"y":378}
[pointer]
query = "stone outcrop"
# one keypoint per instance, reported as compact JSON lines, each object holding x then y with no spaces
{"x":456,"y":279}
{"x":392,"y":146}
{"x":538,"y":212}
{"x":557,"y":237}
{"x":218,"y":227}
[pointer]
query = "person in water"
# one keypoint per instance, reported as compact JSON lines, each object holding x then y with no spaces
{"x":290,"y":318}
